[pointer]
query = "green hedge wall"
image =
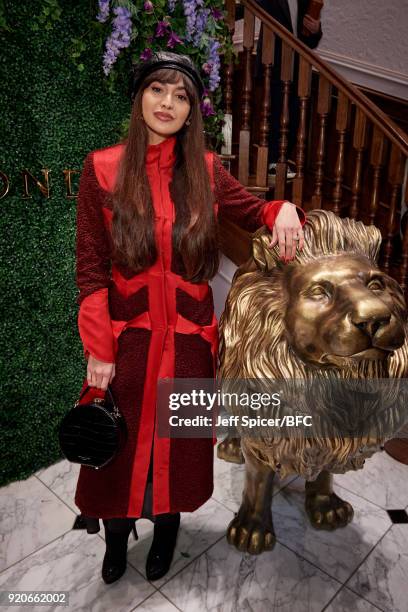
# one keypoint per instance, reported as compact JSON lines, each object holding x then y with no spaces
{"x":52,"y":115}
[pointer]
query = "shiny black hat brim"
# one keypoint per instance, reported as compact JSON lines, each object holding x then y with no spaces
{"x":143,"y":71}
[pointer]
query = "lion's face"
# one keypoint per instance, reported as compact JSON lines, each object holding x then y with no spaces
{"x":342,"y":307}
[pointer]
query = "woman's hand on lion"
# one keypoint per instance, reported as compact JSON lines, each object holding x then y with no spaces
{"x":99,"y":373}
{"x":287,"y":232}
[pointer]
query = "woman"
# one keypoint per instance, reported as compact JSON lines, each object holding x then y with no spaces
{"x":146,"y":247}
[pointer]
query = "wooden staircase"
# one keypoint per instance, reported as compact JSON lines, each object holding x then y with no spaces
{"x":349,"y":156}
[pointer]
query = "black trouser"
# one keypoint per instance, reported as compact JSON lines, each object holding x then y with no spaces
{"x":122,"y":525}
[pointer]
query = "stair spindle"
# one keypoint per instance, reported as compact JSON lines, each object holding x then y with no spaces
{"x":304,"y":85}
{"x":395,"y":178}
{"x":404,"y":259}
{"x":227,"y":84}
{"x":245,"y":133}
{"x":268,"y":46}
{"x":377,"y":160}
{"x":286,"y":78}
{"x":342,"y":118}
{"x":323,"y":109}
{"x":359,"y":144}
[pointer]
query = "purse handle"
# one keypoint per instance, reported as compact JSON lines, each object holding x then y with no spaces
{"x":87,"y":389}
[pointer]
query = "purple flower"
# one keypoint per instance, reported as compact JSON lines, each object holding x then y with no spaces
{"x":190,"y":8}
{"x":173,"y":40}
{"x":147,"y":54}
{"x":214,"y":60}
{"x":148,"y":6}
{"x":103,"y":13}
{"x":207,"y":68}
{"x":119,"y":39}
{"x":200,"y":25}
{"x":162,"y":28}
{"x":171,"y":4}
{"x":207,"y":108}
{"x":216,"y":13}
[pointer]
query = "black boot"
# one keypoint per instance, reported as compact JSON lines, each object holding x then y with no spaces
{"x":161,"y":552}
{"x":116,"y":536}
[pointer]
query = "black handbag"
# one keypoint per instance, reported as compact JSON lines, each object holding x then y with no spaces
{"x":93,"y":433}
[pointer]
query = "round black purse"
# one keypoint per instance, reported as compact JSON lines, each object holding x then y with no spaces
{"x":93,"y":433}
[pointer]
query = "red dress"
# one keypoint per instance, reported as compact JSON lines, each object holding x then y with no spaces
{"x":152,"y":325}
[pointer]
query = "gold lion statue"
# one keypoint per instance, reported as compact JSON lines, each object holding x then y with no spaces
{"x":329,"y":316}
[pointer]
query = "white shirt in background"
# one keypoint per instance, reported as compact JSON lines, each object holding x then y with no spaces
{"x":293,"y":8}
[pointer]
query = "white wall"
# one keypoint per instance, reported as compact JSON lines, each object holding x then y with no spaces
{"x":367,"y":41}
{"x":221,"y":283}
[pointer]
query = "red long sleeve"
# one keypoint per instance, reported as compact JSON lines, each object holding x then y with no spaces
{"x":95,"y":326}
{"x":241,"y":207}
{"x":93,"y":268}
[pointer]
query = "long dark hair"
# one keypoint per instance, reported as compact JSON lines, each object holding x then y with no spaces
{"x":195,"y":234}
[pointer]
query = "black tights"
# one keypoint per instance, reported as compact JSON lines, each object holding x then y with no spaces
{"x":119,"y":525}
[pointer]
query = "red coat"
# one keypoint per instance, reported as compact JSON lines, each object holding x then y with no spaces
{"x":152,"y":325}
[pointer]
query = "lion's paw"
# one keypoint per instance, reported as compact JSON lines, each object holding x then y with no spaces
{"x":250,"y":534}
{"x":230,"y":450}
{"x":328,"y":511}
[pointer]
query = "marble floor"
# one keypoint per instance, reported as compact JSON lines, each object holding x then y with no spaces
{"x":363,"y":567}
